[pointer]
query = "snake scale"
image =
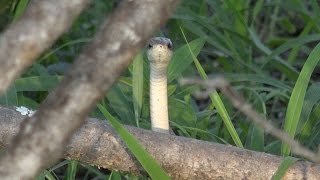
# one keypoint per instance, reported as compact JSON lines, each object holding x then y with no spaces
{"x":159,"y":55}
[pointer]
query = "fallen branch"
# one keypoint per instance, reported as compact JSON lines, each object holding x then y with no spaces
{"x":96,"y":143}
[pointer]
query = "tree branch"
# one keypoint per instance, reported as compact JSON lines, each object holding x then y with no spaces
{"x":96,"y":143}
{"x":95,"y":70}
{"x":44,"y":21}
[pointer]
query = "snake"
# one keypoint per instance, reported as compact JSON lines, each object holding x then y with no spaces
{"x":159,"y":55}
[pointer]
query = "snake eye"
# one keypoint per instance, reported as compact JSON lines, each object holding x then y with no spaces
{"x":149,"y":46}
{"x":169,"y":45}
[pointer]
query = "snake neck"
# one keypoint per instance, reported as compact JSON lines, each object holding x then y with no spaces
{"x":159,"y":98}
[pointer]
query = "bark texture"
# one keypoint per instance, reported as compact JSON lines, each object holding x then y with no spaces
{"x":96,"y":143}
{"x":42,"y":137}
{"x":43,"y":22}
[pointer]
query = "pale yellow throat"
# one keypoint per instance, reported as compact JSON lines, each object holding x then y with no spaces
{"x":159,"y":54}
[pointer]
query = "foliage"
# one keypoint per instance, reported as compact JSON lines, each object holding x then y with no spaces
{"x":259,"y":46}
{"x":147,"y":161}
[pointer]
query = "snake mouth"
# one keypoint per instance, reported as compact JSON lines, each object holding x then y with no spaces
{"x":159,"y":54}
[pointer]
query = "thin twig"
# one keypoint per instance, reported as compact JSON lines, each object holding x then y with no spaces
{"x":239,"y":103}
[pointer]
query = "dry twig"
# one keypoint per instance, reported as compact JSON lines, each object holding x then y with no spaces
{"x":239,"y":103}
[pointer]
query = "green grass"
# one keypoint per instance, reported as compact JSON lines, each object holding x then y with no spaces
{"x":266,"y":49}
{"x":286,"y":163}
{"x":146,"y":160}
{"x":297,"y":97}
{"x":20,"y":9}
{"x":216,"y":100}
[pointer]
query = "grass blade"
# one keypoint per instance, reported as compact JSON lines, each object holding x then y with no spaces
{"x":21,"y":7}
{"x":10,"y":97}
{"x":37,"y":83}
{"x":297,"y":97}
{"x":311,"y":100}
{"x":119,"y":103}
{"x":182,"y":58}
{"x":71,"y":170}
{"x":261,"y":79}
{"x":284,"y":166}
{"x":279,"y":63}
{"x":137,"y":86}
{"x":147,"y":162}
{"x":216,"y":100}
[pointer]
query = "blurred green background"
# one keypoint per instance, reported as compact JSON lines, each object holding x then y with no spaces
{"x":263,"y":47}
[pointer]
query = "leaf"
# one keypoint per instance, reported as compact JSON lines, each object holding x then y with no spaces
{"x":45,"y":175}
{"x":114,"y":176}
{"x":70,"y":42}
{"x":258,"y":79}
{"x":10,"y":97}
{"x":41,"y":70}
{"x":256,"y":135}
{"x":20,"y":9}
{"x":182,"y":58}
{"x":182,"y":113}
{"x":146,"y":160}
{"x":71,"y":170}
{"x":119,"y":104}
{"x":27,"y":102}
{"x":137,"y":86}
{"x":284,"y":166}
{"x":311,"y":99}
{"x":278,"y":63}
{"x":297,"y":97}
{"x":257,"y":138}
{"x":37,"y":83}
{"x":293,"y":43}
{"x":257,"y":8}
{"x":216,"y":100}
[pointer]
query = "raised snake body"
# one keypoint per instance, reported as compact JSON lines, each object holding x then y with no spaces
{"x":159,"y":54}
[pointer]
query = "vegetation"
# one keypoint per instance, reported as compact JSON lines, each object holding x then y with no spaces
{"x":261,"y":47}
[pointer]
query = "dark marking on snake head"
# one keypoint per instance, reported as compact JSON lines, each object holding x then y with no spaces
{"x":161,"y":41}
